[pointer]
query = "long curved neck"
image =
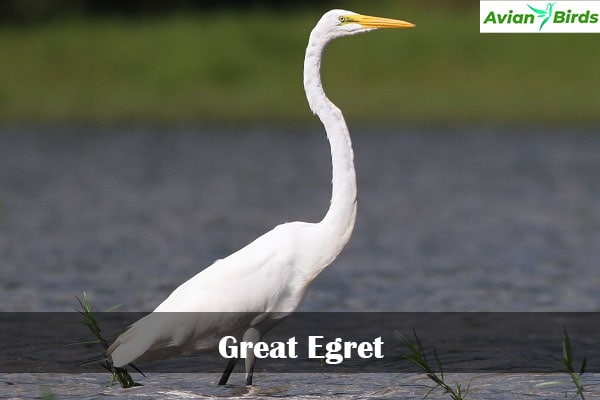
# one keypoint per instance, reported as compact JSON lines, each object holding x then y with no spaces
{"x":338,"y":223}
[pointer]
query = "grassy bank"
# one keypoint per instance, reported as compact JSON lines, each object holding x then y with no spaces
{"x":246,"y":67}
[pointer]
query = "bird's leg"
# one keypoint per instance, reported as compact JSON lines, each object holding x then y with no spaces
{"x":230,"y":365}
{"x":249,"y":375}
{"x":252,"y":335}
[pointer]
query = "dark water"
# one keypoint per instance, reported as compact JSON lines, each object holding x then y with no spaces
{"x":478,"y":219}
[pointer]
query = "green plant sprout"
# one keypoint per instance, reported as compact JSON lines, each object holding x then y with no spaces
{"x":418,"y":357}
{"x":567,"y":362}
{"x":118,"y":374}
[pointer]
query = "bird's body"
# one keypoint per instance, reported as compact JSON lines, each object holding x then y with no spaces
{"x":258,"y":286}
{"x":250,"y":291}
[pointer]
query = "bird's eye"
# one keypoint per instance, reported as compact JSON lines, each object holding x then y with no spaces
{"x":341,"y":18}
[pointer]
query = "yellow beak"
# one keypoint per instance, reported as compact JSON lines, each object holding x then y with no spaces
{"x":378,"y":22}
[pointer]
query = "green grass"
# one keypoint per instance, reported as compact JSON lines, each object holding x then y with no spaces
{"x":246,"y":67}
{"x":567,"y":362}
{"x":120,"y":375}
{"x":435,"y":372}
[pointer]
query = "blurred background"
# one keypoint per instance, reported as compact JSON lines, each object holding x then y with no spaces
{"x":232,"y":62}
{"x":141,"y":140}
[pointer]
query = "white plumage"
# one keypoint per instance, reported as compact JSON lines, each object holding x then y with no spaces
{"x":250,"y":291}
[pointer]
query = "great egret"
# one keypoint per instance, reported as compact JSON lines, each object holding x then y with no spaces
{"x":250,"y":291}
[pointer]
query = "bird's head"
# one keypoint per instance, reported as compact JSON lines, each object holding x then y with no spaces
{"x":337,"y":23}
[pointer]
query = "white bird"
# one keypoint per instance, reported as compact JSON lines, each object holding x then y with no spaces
{"x":249,"y":292}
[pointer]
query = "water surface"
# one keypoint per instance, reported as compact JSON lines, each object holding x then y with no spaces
{"x":476,"y":219}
